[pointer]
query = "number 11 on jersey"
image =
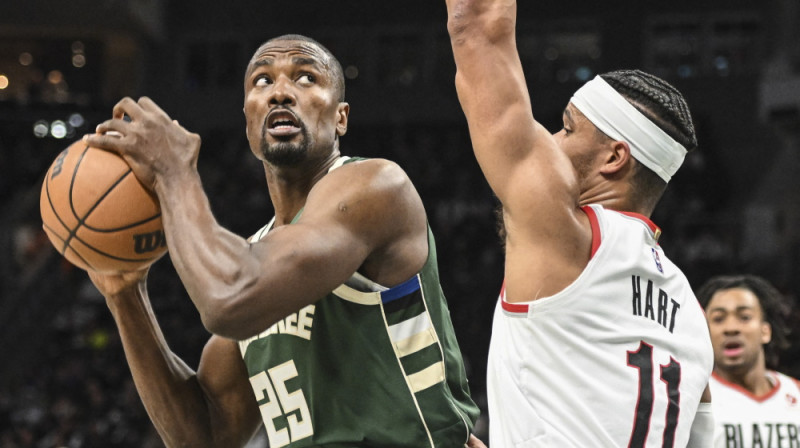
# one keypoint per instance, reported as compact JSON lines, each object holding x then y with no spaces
{"x":642,"y":360}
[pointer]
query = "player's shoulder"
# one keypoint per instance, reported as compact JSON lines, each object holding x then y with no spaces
{"x":378,"y":184}
{"x":786,"y":380}
{"x":371,"y":164}
{"x":371,"y":174}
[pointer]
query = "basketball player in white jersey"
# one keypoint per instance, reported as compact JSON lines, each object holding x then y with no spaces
{"x":754,"y":405}
{"x":598,"y":339}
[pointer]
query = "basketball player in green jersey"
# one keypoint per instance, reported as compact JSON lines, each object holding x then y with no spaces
{"x":329,"y":325}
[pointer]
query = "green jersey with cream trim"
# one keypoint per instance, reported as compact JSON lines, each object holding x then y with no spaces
{"x":365,"y":366}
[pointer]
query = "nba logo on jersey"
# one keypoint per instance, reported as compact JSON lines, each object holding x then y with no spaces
{"x":657,"y":259}
{"x":791,"y":399}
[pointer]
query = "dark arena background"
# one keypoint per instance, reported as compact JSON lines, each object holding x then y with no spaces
{"x":733,"y":208}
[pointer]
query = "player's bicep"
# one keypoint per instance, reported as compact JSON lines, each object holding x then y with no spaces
{"x":299,"y":264}
{"x":349,"y":214}
{"x":495,"y":100}
{"x":340,"y":225}
{"x":317,"y":254}
{"x":514,"y":151}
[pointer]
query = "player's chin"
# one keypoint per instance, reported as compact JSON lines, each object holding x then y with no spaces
{"x":732,"y":364}
{"x":285,"y":154}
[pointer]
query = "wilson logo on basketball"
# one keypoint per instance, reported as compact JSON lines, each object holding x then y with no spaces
{"x":58,"y":164}
{"x":148,"y":242}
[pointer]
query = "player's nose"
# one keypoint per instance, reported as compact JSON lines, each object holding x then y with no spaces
{"x":282,"y":92}
{"x":731,"y":326}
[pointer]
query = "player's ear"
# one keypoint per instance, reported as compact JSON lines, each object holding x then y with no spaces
{"x":766,"y":333}
{"x":343,"y":113}
{"x":616,"y":157}
{"x":246,"y":127}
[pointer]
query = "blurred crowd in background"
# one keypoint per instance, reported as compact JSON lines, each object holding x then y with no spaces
{"x":733,"y":207}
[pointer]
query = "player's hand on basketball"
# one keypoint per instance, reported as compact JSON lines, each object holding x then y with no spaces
{"x":112,"y":285}
{"x":151,"y":142}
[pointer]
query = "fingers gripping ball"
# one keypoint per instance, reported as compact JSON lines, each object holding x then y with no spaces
{"x":97,"y":214}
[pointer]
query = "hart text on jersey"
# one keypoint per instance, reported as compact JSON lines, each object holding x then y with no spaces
{"x":654,"y":303}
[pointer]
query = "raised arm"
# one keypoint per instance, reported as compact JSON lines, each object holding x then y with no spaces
{"x":361,"y":214}
{"x":491,"y":87}
{"x":213,"y":407}
{"x":548,"y":236}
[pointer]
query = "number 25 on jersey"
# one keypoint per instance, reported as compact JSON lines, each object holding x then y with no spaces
{"x":281,"y":404}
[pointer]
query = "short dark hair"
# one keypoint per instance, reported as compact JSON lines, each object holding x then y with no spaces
{"x":774,"y":307}
{"x":335,"y":67}
{"x":666,"y":107}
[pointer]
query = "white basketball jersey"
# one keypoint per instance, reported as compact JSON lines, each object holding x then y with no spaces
{"x":744,"y":420}
{"x":619,"y":358}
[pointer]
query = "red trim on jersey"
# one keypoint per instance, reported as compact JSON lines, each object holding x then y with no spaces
{"x":653,"y":227}
{"x":511,"y":307}
{"x":595,"y":228}
{"x":515,"y":307}
{"x":746,"y":392}
{"x":595,"y":223}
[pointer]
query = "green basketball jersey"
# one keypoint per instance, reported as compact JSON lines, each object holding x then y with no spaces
{"x":364,"y":368}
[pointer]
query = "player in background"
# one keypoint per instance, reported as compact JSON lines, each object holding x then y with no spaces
{"x":329,"y":325}
{"x":597,"y":338}
{"x":754,"y":405}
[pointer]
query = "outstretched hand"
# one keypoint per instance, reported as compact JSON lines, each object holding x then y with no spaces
{"x":149,"y":140}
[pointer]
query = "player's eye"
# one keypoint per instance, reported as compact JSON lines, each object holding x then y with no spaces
{"x":306,"y":79}
{"x":262,"y":81}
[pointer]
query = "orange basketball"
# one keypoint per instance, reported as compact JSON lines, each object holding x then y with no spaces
{"x":97,"y":214}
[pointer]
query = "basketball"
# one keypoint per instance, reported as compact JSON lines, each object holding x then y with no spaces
{"x":97,"y":214}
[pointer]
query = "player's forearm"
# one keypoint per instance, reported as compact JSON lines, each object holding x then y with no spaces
{"x":216,"y":266}
{"x":167,"y":386}
{"x":491,"y":87}
{"x":489,"y":75}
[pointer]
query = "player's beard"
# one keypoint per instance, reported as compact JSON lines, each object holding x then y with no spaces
{"x":286,"y":153}
{"x":583,"y":167}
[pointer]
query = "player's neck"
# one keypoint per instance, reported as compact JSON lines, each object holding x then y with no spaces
{"x":754,"y":380}
{"x":612,"y":192}
{"x":613,"y":200}
{"x":289,"y":186}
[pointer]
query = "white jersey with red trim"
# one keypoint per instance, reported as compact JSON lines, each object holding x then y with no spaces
{"x":619,"y":358}
{"x":744,"y":420}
